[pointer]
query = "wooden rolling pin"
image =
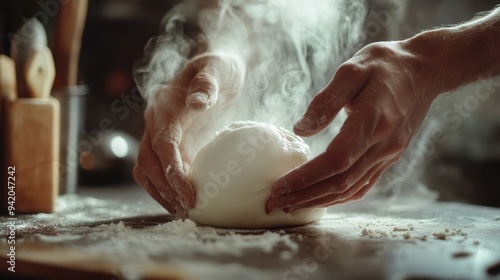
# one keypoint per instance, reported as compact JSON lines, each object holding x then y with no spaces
{"x":32,"y":135}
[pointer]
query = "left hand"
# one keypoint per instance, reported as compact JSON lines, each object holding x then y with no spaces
{"x":180,"y":118}
{"x":386,"y":90}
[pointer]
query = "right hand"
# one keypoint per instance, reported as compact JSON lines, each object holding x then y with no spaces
{"x":180,"y":118}
{"x":386,"y":89}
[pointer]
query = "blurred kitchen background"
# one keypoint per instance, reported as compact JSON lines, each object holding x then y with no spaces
{"x":465,"y":168}
{"x":114,"y":37}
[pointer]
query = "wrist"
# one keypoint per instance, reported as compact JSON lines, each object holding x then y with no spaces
{"x":451,"y":57}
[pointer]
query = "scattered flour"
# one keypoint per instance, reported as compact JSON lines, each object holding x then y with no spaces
{"x":70,"y":202}
{"x":286,"y":255}
{"x":397,"y":231}
{"x":57,"y":238}
{"x":378,"y":229}
{"x":170,"y":240}
{"x":409,"y":227}
{"x":447,"y":233}
{"x":406,"y":236}
{"x":373,"y":233}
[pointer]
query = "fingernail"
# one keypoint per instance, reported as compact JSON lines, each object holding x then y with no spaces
{"x":197,"y":97}
{"x":272,"y":211}
{"x":164,"y":196}
{"x":304,"y":123}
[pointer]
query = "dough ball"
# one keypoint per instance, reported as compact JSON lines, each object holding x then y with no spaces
{"x":233,"y":174}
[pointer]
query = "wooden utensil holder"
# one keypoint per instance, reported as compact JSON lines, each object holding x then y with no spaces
{"x":32,"y":146}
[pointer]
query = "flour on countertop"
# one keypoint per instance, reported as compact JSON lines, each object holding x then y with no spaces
{"x":175,"y":238}
{"x":447,"y":233}
{"x":373,"y":233}
{"x":381,"y":228}
{"x":409,"y":227}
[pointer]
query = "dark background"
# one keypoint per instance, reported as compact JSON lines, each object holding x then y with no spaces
{"x":115,"y":34}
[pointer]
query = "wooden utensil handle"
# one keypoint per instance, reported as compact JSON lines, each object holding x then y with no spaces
{"x":39,"y":73}
{"x":67,"y":41}
{"x":8,"y":86}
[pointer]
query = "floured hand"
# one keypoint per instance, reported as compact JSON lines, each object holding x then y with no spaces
{"x":386,"y":103}
{"x":179,"y":121}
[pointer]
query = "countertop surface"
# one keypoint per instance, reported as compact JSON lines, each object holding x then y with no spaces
{"x":121,"y":233}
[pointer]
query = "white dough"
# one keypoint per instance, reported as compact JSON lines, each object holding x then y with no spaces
{"x":233,"y":174}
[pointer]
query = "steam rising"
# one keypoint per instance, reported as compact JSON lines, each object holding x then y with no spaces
{"x":290,"y":48}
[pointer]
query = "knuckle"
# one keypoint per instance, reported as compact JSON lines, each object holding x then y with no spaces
{"x":326,"y":102}
{"x":350,"y":70}
{"x":339,"y":188}
{"x":397,"y":146}
{"x":203,"y":82}
{"x":227,"y":68}
{"x":200,"y":82}
{"x":378,"y":49}
{"x":161,"y":140}
{"x":350,"y":192}
{"x":157,"y":142}
{"x":167,"y":194}
{"x":386,"y":122}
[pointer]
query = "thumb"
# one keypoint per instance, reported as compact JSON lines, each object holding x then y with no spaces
{"x":202,"y":92}
{"x":345,"y":85}
{"x":218,"y":73}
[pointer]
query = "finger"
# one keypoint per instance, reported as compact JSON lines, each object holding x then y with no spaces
{"x":346,"y":148}
{"x":348,"y":81}
{"x":153,"y":175}
{"x":361,"y":193}
{"x":338,"y":184}
{"x":182,"y":213}
{"x":176,"y":176}
{"x":144,"y":181}
{"x":363,"y":190}
{"x":365,"y":187}
{"x":164,"y":144}
{"x":364,"y":183}
{"x":153,"y":192}
{"x":203,"y":92}
{"x":215,"y":72}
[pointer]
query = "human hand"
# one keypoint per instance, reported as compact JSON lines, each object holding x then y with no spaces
{"x":386,"y":92}
{"x":180,"y":119}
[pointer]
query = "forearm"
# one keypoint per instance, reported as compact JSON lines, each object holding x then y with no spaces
{"x":458,"y":55}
